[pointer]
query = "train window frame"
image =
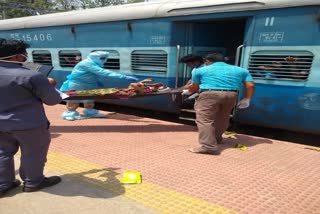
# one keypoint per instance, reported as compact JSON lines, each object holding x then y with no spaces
{"x":141,"y":61}
{"x":74,"y":56}
{"x":281,"y":65}
{"x":113,"y":62}
{"x":37,"y":53}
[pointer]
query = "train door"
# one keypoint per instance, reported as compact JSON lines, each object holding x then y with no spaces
{"x":207,"y":36}
{"x":184,"y":47}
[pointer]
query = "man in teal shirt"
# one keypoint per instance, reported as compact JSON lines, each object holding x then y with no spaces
{"x":218,"y":84}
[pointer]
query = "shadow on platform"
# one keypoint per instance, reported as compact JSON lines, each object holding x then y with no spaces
{"x":123,"y":129}
{"x":277,"y":134}
{"x":246,"y":140}
{"x":55,"y":135}
{"x":76,"y":184}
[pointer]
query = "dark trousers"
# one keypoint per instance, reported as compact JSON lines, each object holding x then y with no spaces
{"x":213,"y":110}
{"x":34,"y":145}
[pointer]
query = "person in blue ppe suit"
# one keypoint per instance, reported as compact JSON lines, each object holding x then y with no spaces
{"x":85,"y":76}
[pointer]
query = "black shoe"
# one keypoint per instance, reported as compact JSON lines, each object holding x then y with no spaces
{"x":14,"y":184}
{"x":47,"y":182}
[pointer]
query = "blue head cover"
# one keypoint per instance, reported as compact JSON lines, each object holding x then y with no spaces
{"x":98,"y":57}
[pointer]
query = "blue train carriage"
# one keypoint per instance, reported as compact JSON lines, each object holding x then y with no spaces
{"x":283,"y":56}
{"x":277,"y":40}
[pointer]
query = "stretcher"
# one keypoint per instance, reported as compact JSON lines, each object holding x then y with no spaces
{"x":115,"y":94}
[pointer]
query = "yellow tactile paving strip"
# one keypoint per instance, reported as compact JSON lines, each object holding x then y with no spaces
{"x":161,"y":199}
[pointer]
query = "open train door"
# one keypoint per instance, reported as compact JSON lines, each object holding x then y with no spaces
{"x":185,"y":46}
{"x":183,"y":73}
{"x":225,"y":35}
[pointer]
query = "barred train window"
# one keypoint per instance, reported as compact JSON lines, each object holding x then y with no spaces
{"x":42,"y":57}
{"x":113,"y":62}
{"x":281,"y":65}
{"x":69,"y":58}
{"x":149,"y":60}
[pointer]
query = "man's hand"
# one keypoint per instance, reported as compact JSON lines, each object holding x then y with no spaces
{"x":194,"y":87}
{"x":186,"y":92}
{"x":244,"y":103}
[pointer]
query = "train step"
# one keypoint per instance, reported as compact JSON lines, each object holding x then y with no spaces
{"x":188,"y":110}
{"x":190,"y":115}
{"x":187,"y":115}
{"x":188,"y":119}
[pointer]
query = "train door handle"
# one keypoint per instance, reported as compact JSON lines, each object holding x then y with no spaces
{"x":238,"y":53}
{"x":177,"y":66}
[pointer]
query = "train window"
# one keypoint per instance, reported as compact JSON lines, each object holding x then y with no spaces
{"x":113,"y":62}
{"x":42,"y":57}
{"x":69,"y":58}
{"x":281,"y":65}
{"x":149,"y":61}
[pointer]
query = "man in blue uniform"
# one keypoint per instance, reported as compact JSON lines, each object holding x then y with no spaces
{"x":85,"y":76}
{"x":218,"y":84}
{"x":23,"y":122}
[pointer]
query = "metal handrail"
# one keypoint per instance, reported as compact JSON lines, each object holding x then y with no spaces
{"x":238,"y":54}
{"x":177,"y":66}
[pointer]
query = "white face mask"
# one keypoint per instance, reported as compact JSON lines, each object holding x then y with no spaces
{"x":6,"y":57}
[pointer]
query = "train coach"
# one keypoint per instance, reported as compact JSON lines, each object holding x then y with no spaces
{"x":278,"y":41}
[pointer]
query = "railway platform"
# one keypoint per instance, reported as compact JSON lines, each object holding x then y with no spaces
{"x":270,"y":176}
